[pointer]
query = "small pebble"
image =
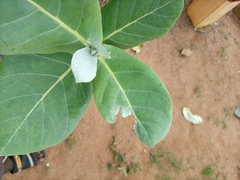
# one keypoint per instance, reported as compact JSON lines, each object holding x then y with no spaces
{"x":186,"y":52}
{"x":237,"y":112}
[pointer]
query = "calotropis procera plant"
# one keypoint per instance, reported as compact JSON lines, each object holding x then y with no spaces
{"x":41,"y":101}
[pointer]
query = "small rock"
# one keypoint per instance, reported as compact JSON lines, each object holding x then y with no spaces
{"x":237,"y":112}
{"x":186,"y":52}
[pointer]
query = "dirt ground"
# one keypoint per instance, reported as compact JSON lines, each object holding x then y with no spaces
{"x":208,"y":82}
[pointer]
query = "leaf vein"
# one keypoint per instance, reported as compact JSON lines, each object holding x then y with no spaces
{"x":105,"y":86}
{"x":41,"y":34}
{"x":43,"y":116}
{"x":59,"y":7}
{"x":130,"y":14}
{"x":29,"y":74}
{"x":53,"y":124}
{"x":16,"y":97}
{"x":157,"y":110}
{"x":14,"y":21}
{"x":60,"y":44}
{"x":152,"y":27}
{"x":61,"y":23}
{"x":159,"y":15}
{"x":66,"y":106}
{"x":119,"y":42}
{"x":7,"y":120}
{"x":136,"y":35}
{"x":125,"y":26}
{"x":80,"y":18}
{"x":51,"y":59}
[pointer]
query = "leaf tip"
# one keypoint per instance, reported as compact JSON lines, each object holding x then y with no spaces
{"x":100,"y":50}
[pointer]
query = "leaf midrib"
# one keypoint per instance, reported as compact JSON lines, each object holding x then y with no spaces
{"x":129,"y":24}
{"x":40,"y":100}
{"x":102,"y":60}
{"x":62,"y":24}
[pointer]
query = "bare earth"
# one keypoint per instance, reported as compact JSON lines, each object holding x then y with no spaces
{"x":208,"y":82}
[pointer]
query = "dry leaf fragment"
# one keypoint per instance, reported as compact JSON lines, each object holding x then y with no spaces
{"x":137,"y":49}
{"x":186,"y":52}
{"x":192,"y":118}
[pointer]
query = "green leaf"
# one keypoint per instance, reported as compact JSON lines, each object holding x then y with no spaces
{"x":40,"y":103}
{"x":128,"y":23}
{"x":43,"y":26}
{"x":123,"y":83}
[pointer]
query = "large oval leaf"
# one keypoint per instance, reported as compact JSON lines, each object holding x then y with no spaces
{"x":40,"y":103}
{"x":123,"y":83}
{"x":43,"y":26}
{"x":128,"y":23}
